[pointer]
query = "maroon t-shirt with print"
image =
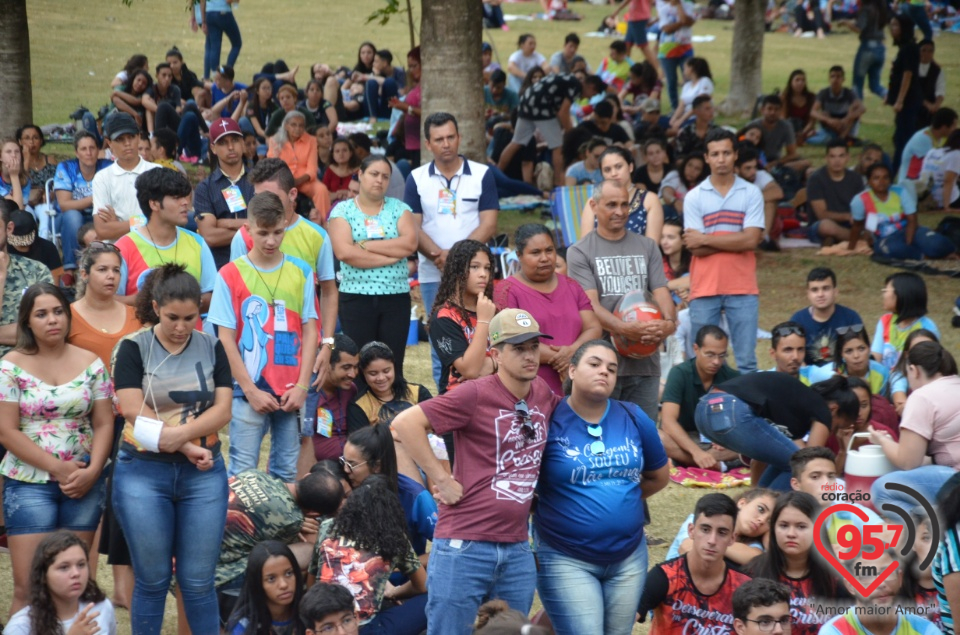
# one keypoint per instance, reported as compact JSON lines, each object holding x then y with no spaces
{"x":496,"y":464}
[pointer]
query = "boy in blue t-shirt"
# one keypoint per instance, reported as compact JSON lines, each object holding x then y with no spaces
{"x":823,"y":317}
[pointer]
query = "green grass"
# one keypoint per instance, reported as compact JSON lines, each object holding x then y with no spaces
{"x":77,"y":48}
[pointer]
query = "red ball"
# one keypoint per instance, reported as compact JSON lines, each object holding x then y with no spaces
{"x":639,"y":312}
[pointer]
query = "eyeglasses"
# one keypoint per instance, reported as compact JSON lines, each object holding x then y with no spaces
{"x":347,"y":624}
{"x":766,"y":624}
{"x":784,"y":331}
{"x":596,"y":431}
{"x":99,"y":244}
{"x":521,"y":412}
{"x":347,"y":465}
{"x":715,"y":356}
{"x":843,"y":330}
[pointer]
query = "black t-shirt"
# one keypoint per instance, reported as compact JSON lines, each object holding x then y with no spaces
{"x":42,"y":250}
{"x":542,"y":101}
{"x":188,"y":81}
{"x":641,"y":176}
{"x":782,"y":399}
{"x":172,"y":97}
{"x":836,"y":194}
{"x":614,"y":134}
{"x":908,"y":59}
{"x":449,"y":335}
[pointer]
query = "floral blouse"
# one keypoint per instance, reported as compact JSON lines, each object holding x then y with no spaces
{"x":56,"y":418}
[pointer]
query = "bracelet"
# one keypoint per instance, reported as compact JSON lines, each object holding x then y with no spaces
{"x":361,"y":245}
{"x":483,"y":321}
{"x":302,"y":387}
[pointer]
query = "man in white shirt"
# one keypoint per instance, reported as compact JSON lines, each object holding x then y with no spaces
{"x":452,"y":199}
{"x":114,"y":194}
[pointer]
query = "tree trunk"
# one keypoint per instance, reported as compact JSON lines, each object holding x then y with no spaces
{"x":450,"y":39}
{"x":746,"y":82}
{"x":16,"y":93}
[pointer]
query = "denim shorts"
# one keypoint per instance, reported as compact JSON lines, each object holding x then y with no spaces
{"x":637,"y":32}
{"x":40,"y":508}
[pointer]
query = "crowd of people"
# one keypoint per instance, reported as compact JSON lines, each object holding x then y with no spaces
{"x":384,"y":509}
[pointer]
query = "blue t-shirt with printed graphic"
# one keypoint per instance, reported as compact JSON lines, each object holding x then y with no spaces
{"x":70,"y":178}
{"x":590,"y":504}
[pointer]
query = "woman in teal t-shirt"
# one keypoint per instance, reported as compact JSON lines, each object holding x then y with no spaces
{"x":372,"y":236}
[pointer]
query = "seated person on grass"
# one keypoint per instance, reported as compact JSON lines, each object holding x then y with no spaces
{"x":838,"y":109}
{"x":829,"y":192}
{"x":587,"y":170}
{"x":823,"y":317}
{"x":686,"y":384}
{"x":943,"y":122}
{"x":602,"y":125}
{"x":753,"y":523}
{"x":329,"y":608}
{"x":163,"y":148}
{"x":499,"y":99}
{"x":690,"y":138}
{"x":779,"y":139}
{"x":887,"y":609}
{"x":748,"y":169}
{"x":615,"y":68}
{"x":788,"y":345}
{"x":759,"y":606}
{"x":694,"y":592}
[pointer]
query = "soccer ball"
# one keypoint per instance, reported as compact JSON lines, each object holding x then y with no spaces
{"x":635,"y":311}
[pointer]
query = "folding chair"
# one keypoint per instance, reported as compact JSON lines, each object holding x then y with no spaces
{"x":46,"y":214}
{"x":566,"y":204}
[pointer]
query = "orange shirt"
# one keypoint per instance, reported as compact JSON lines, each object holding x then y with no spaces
{"x":93,"y":339}
{"x":300,"y":156}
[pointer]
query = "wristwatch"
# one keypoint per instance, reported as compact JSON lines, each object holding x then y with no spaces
{"x":328,"y":340}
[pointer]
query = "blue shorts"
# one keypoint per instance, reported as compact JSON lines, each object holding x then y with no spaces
{"x":814,"y":228}
{"x":40,"y":508}
{"x":637,"y":32}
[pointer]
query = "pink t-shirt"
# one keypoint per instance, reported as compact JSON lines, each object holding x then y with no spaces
{"x":933,"y":412}
{"x":557,"y":313}
{"x":411,"y":123}
{"x":639,"y":10}
{"x":496,"y":464}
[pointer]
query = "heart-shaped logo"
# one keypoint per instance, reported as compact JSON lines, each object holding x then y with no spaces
{"x":827,"y":551}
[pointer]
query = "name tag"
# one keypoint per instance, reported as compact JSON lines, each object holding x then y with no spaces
{"x":234,"y":199}
{"x":279,"y":316}
{"x":447,"y":202}
{"x":137,"y":220}
{"x":147,"y":433}
{"x":324,"y":422}
{"x":374,"y":229}
{"x":873,"y":220}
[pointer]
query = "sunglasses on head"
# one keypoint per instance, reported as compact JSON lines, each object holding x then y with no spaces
{"x":596,"y":447}
{"x":522,"y":414}
{"x":843,"y":330}
{"x":99,"y":244}
{"x":784,"y":331}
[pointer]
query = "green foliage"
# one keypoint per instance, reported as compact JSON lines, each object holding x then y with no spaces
{"x":382,"y":15}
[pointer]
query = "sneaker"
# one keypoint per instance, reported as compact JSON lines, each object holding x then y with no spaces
{"x":188,"y":159}
{"x":505,"y":27}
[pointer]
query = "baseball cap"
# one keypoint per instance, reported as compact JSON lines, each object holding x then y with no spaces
{"x":119,"y":123}
{"x":650,"y":104}
{"x":514,"y":326}
{"x":222,"y":127}
{"x":486,"y":47}
{"x":24,"y":229}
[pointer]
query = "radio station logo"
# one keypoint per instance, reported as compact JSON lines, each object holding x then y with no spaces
{"x":873,"y":539}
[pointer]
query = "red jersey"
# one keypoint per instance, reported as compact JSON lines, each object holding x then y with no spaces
{"x":803,"y":610}
{"x":679,"y":607}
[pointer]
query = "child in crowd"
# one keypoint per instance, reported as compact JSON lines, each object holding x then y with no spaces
{"x":882,"y":610}
{"x":759,"y":605}
{"x":343,"y":165}
{"x":695,"y":590}
{"x":790,"y":559}
{"x":61,"y":586}
{"x":264,"y":304}
{"x":86,"y":235}
{"x":752,"y":524}
{"x":905,"y":303}
{"x":329,"y":608}
{"x":271,"y":594}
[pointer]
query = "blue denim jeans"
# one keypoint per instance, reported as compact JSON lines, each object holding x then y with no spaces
{"x":171,"y":510}
{"x":743,"y":314}
{"x":729,"y":422}
{"x":926,"y":244}
{"x":41,"y":508}
{"x":69,"y":224}
{"x":378,"y":97}
{"x":220,"y":23}
{"x":918,"y":13}
{"x":428,"y":291}
{"x":927,"y":480}
{"x":671,"y":66}
{"x":247,"y":429}
{"x":584,"y":598}
{"x":868,"y":64}
{"x":409,"y":618}
{"x":465,"y":574}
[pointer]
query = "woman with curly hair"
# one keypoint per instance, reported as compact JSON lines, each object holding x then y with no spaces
{"x":128,"y":97}
{"x":368,"y":536}
{"x":460,"y":317}
{"x":60,"y":584}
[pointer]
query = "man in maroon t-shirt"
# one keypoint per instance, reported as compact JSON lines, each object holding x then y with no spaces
{"x":499,"y":424}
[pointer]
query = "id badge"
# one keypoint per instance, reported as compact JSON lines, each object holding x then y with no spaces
{"x":137,"y":220}
{"x":447,"y":202}
{"x":147,"y":433}
{"x":279,"y":316}
{"x":374,"y":229}
{"x":873,"y":221}
{"x":234,"y":199}
{"x":324,"y":422}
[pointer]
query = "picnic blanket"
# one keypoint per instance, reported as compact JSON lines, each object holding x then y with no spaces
{"x":931,"y":267}
{"x":522,"y":202}
{"x":712,"y":479}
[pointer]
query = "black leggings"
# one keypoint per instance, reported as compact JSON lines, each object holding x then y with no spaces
{"x":385,"y":318}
